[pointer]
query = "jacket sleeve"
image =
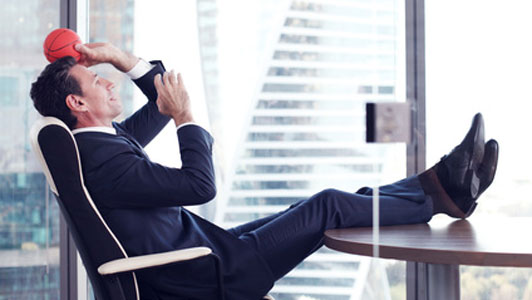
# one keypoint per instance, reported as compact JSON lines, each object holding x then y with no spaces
{"x":133,"y":181}
{"x":147,"y":122}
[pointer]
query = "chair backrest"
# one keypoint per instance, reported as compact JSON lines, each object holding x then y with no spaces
{"x":58,"y":154}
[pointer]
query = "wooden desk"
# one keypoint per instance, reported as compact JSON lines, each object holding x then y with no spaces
{"x":444,"y":244}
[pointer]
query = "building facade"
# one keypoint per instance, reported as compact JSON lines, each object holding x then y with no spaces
{"x":321,"y":62}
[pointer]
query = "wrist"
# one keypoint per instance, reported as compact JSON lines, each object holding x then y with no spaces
{"x":125,"y":62}
{"x":182,"y":119}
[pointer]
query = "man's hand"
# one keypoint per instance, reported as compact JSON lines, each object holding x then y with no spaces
{"x":173,"y":98}
{"x":97,"y":53}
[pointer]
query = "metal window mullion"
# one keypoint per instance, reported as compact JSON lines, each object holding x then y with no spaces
{"x":73,"y":15}
{"x":415,"y":82}
{"x":67,"y":262}
{"x":416,"y":275}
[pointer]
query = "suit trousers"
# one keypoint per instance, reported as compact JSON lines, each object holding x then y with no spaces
{"x":288,"y":237}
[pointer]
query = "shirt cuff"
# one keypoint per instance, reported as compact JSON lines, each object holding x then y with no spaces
{"x":140,"y":69}
{"x":186,"y":124}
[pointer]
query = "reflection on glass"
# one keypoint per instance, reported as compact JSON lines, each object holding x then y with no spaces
{"x":29,"y":216}
{"x":306,"y":130}
{"x":113,"y":21}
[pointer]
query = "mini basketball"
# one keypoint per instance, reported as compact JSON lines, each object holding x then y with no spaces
{"x":60,"y":43}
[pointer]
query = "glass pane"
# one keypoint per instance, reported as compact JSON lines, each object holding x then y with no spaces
{"x":286,"y":95}
{"x":477,"y":65}
{"x":113,"y":21}
{"x":29,"y":216}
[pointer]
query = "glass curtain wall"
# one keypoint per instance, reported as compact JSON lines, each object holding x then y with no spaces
{"x":29,"y":216}
{"x":480,"y":62}
{"x":284,"y":97}
{"x":292,"y":86}
{"x":113,"y":21}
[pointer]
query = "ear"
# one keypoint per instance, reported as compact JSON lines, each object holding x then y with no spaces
{"x":75,"y":103}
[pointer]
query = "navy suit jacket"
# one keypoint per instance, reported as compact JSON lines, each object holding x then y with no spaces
{"x":142,"y":203}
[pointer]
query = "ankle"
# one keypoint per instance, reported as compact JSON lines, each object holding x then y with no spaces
{"x":431,"y":184}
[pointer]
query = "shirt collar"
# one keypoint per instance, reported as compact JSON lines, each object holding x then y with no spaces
{"x":109,"y":130}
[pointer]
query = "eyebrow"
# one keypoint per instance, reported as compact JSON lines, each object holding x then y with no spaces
{"x":95,"y":78}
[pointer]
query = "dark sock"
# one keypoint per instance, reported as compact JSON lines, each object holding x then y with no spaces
{"x":442,"y":202}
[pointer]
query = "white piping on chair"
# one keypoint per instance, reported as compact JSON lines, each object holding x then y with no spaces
{"x":152,"y":260}
{"x":34,"y":134}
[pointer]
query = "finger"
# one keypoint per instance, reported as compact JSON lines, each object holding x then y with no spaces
{"x":180,"y":80}
{"x":84,"y":54}
{"x":157,"y":82}
{"x":166,"y":80}
{"x":94,"y":45}
{"x":84,"y":50}
{"x":173,"y":80}
{"x":84,"y":61}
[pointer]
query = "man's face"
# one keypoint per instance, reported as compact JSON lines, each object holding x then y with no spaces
{"x":102,"y":103}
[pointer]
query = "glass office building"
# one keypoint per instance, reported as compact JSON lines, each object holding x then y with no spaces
{"x":29,"y":215}
{"x":305,"y":131}
{"x":307,"y":68}
{"x":29,"y":218}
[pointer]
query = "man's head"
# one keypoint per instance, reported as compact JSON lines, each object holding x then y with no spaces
{"x":76,"y":95}
{"x":51,"y":89}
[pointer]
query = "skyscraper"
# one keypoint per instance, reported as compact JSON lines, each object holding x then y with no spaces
{"x":306,"y":129}
{"x":29,"y":216}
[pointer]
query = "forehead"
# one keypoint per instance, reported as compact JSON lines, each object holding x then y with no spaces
{"x":81,"y":73}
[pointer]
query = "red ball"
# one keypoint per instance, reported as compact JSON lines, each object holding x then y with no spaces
{"x":60,"y":43}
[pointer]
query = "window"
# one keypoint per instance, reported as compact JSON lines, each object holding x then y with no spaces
{"x":297,"y":96}
{"x":8,"y":91}
{"x":29,"y":216}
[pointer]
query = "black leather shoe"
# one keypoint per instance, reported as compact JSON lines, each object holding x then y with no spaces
{"x":458,"y":171}
{"x":488,"y":167}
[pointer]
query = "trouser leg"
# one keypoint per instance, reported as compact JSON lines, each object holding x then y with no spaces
{"x":255,"y":224}
{"x":288,"y":238}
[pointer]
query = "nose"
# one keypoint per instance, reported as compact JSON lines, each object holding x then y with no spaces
{"x":109,"y":84}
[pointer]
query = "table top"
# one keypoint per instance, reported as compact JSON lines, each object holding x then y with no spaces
{"x":482,"y":241}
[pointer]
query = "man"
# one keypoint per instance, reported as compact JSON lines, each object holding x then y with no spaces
{"x":142,"y":201}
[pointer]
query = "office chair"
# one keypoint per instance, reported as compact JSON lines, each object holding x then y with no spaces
{"x":110,"y":270}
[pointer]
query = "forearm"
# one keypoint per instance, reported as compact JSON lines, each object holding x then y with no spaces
{"x":124,"y":61}
{"x":97,"y":53}
{"x":195,"y":145}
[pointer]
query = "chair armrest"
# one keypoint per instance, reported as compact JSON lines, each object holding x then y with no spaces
{"x":151,"y":260}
